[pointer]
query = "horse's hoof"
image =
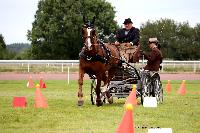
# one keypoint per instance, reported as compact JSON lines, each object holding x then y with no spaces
{"x":80,"y":102}
{"x":99,"y":103}
{"x":110,"y":100}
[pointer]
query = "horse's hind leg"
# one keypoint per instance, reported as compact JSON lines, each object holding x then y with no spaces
{"x":111,"y":74}
{"x":98,"y":91}
{"x":80,"y":82}
{"x":104,"y":79}
{"x":104,"y":88}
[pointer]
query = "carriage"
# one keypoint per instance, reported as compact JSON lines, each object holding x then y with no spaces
{"x":101,"y":62}
{"x":121,"y":84}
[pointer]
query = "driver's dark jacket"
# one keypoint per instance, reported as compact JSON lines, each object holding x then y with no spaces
{"x":132,"y":36}
{"x":154,"y":59}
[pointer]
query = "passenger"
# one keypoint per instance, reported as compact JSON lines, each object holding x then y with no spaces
{"x":154,"y":58}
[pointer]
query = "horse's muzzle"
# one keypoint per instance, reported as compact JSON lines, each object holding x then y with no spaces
{"x":88,"y":48}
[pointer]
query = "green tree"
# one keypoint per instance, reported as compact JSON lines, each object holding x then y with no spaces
{"x":18,"y":47}
{"x":179,"y":41}
{"x":2,"y":47}
{"x":164,"y":30}
{"x":196,"y":42}
{"x":18,"y":51}
{"x":2,"y":42}
{"x":56,"y":31}
{"x":197,"y":32}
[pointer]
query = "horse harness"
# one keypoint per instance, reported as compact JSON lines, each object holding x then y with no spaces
{"x":96,"y":57}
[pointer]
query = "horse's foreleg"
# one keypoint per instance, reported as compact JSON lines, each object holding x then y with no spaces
{"x":98,"y":92}
{"x":80,"y":83}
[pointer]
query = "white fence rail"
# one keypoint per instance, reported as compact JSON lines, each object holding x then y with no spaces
{"x":168,"y":65}
{"x":38,"y":62}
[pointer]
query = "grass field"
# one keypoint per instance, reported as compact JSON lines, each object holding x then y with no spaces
{"x":181,"y":113}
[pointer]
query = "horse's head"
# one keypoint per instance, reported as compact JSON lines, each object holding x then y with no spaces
{"x":89,"y":34}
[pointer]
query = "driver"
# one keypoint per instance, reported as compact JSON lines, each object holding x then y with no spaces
{"x":128,"y":40}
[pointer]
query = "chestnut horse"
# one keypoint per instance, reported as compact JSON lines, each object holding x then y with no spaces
{"x":96,"y":59}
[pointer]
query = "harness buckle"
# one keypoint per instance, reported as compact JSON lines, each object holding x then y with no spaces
{"x":89,"y":58}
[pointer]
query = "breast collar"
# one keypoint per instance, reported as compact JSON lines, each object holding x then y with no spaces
{"x":96,"y":57}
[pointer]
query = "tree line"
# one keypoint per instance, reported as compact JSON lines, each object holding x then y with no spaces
{"x":15,"y":51}
{"x":56,"y":31}
{"x":179,"y":41}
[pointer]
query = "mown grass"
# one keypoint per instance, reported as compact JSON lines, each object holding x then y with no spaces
{"x":181,"y":113}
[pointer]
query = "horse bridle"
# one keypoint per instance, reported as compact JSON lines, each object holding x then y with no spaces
{"x":86,"y":37}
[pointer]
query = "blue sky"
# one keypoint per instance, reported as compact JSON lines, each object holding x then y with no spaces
{"x":17,"y":15}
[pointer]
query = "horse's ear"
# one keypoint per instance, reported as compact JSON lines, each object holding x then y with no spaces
{"x":93,"y":20}
{"x":84,"y":19}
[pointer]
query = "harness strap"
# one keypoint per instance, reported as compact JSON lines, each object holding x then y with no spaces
{"x":107,"y":52}
{"x":94,"y":58}
{"x":104,"y":59}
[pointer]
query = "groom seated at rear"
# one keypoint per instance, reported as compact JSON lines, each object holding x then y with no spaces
{"x":154,"y":58}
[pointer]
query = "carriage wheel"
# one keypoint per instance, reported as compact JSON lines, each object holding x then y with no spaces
{"x":93,"y":93}
{"x":159,"y":91}
{"x":144,"y":89}
{"x":161,"y":95}
{"x":142,"y":97}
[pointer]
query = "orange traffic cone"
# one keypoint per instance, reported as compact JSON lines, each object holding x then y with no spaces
{"x":30,"y":83}
{"x":195,"y":92}
{"x":127,"y":124}
{"x":182,"y":89}
{"x":42,"y":83}
{"x":168,"y":87}
{"x":132,"y":97}
{"x":40,"y":101}
{"x":198,"y":93}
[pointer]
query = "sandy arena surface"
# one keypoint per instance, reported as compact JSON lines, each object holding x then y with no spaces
{"x":74,"y":76}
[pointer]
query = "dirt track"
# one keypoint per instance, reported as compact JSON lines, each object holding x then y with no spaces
{"x":74,"y":76}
